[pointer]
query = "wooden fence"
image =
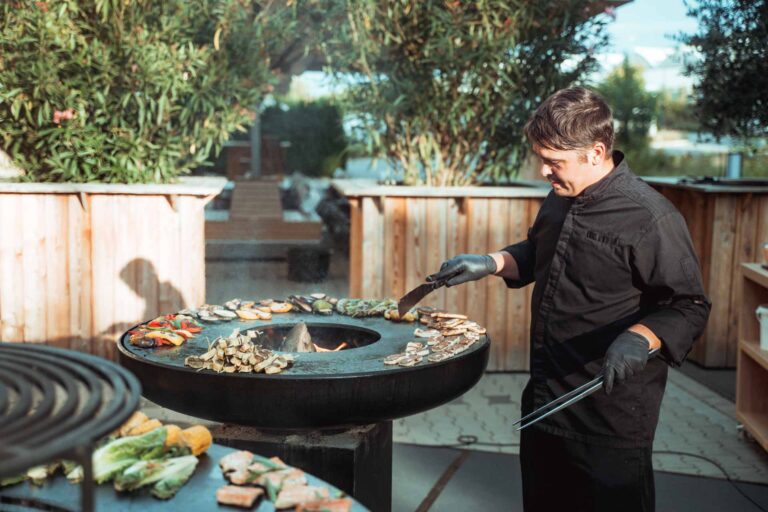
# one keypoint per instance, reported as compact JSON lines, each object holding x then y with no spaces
{"x":79,"y":264}
{"x":727,"y":229}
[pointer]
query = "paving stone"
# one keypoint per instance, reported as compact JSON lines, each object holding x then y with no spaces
{"x":693,"y":419}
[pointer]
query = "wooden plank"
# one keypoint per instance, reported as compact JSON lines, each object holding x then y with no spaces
{"x":691,"y":205}
{"x":436,"y":252}
{"x":104,"y":238}
{"x":722,"y":261}
{"x":745,"y":251}
{"x":147,"y":275}
{"x":415,"y":239}
{"x":166,"y":261}
{"x":34,"y":269}
{"x":355,"y":247}
{"x":373,"y":247}
{"x":191,"y":249}
{"x":533,"y":209}
{"x":11,"y":269}
{"x":477,"y":242}
{"x":57,"y":306}
{"x":761,"y":233}
{"x":371,"y":188}
{"x":129,"y":303}
{"x":456,"y":243}
{"x":707,"y":222}
{"x":203,"y":186}
{"x":394,"y":246}
{"x":79,"y":269}
{"x":518,"y":301}
{"x":496,"y":290}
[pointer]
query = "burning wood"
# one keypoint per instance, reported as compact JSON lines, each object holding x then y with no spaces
{"x":298,"y":340}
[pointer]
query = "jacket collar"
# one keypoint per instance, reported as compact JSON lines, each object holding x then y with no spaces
{"x":618,"y":173}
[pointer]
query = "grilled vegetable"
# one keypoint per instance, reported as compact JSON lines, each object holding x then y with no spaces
{"x":115,"y":456}
{"x":145,"y":427}
{"x":168,"y":476}
{"x":12,"y":480}
{"x":173,"y":436}
{"x":73,"y":471}
{"x":38,"y":474}
{"x":134,"y":421}
{"x":197,"y":438}
{"x":322,"y":307}
{"x":243,"y":497}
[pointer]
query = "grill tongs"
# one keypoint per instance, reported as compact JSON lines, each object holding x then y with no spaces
{"x":567,"y":399}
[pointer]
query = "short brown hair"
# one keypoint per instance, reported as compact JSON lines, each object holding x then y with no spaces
{"x":573,"y":118}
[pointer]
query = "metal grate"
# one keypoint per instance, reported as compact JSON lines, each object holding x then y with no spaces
{"x":55,"y":403}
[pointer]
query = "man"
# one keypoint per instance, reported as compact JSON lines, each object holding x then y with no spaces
{"x":615,"y":276}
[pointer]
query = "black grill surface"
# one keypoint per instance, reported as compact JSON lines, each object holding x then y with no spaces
{"x":321,"y":390}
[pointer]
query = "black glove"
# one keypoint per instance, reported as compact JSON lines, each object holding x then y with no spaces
{"x":627,"y":355}
{"x":463,"y":268}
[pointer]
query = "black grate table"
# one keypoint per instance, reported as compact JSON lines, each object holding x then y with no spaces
{"x":55,"y":404}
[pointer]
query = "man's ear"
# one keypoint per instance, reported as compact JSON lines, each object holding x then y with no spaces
{"x":598,"y":153}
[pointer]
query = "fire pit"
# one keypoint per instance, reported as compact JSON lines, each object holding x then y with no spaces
{"x":322,"y":389}
{"x":329,"y":413}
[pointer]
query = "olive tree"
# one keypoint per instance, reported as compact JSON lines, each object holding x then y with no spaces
{"x":444,"y":87}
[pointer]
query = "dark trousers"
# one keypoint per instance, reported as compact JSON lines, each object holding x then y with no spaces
{"x":561,"y":474}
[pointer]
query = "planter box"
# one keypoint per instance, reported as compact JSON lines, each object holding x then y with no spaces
{"x":79,"y":264}
{"x":401,"y":234}
{"x":728,"y":226}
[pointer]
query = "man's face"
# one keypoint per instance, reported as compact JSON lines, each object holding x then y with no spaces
{"x":569,"y":171}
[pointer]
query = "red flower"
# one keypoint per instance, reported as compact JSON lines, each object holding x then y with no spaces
{"x":63,"y":115}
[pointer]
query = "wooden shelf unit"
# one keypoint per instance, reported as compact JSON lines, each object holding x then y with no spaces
{"x":752,"y":362}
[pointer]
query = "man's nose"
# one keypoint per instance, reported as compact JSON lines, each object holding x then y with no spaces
{"x":545,"y":171}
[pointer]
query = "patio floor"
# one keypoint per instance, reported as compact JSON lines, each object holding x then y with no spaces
{"x":695,"y":422}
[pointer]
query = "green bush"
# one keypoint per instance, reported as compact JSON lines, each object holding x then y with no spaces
{"x":315,"y":133}
{"x":130,"y":91}
{"x":444,"y":87}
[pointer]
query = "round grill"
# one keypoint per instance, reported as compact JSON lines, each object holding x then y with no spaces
{"x":325,"y":390}
{"x":55,"y":403}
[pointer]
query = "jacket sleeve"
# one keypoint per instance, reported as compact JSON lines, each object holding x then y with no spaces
{"x":525,"y":256}
{"x":668,"y":275}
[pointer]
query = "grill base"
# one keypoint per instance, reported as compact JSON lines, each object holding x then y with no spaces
{"x":357,"y":460}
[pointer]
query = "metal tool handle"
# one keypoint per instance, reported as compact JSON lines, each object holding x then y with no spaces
{"x":571,"y":397}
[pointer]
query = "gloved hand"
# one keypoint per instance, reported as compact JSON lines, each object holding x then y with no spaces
{"x":463,"y":268}
{"x":627,"y":355}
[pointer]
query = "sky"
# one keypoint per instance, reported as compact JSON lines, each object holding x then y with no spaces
{"x":644,"y":30}
{"x":648,"y":23}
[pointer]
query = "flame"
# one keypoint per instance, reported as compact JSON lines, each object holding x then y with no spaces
{"x":342,"y":345}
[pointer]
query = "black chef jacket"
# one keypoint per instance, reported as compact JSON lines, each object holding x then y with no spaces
{"x":616,"y":255}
